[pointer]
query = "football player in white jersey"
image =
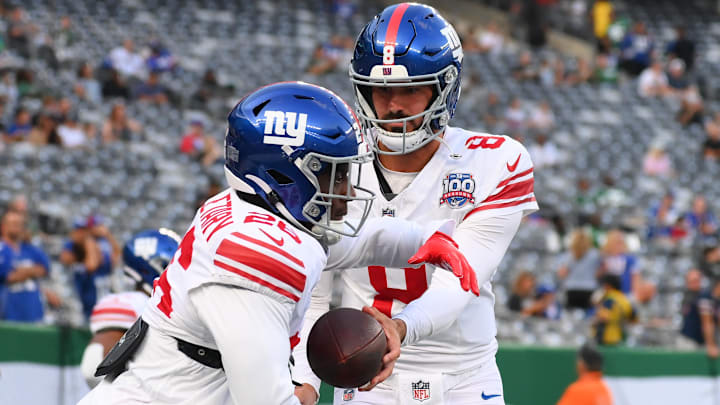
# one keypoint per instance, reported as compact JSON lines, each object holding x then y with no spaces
{"x":145,"y":256}
{"x":406,"y":71}
{"x":223,"y":317}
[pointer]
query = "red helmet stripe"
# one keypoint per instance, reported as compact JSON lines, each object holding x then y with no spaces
{"x":394,"y":24}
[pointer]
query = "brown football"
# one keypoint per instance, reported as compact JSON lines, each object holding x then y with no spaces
{"x":345,"y":347}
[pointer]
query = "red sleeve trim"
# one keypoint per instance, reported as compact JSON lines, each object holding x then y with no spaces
{"x":517,"y":176}
{"x":514,"y":190}
{"x":258,"y":280}
{"x":499,"y":205}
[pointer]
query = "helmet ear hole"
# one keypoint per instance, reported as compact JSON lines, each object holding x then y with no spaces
{"x":279,"y":177}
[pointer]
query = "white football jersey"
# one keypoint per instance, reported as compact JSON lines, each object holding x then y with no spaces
{"x":494,"y":176}
{"x":117,"y":311}
{"x":232,"y":242}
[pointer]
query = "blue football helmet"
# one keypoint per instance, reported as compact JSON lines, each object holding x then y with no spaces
{"x":407,"y":44}
{"x":147,"y":254}
{"x":283,"y":139}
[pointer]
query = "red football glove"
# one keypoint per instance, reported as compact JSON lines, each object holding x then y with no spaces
{"x":440,"y":250}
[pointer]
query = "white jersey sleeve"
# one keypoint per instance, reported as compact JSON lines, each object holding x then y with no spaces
{"x":117,"y":311}
{"x":250,"y":330}
{"x":483,"y":241}
{"x":384,"y":242}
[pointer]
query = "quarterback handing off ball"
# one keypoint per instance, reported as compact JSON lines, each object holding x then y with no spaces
{"x":345,"y":348}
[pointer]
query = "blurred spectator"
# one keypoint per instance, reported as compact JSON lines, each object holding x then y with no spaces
{"x":524,"y":69}
{"x":490,"y":40}
{"x":115,"y":86}
{"x":542,"y":117}
{"x":209,"y":88}
{"x":691,"y":107}
{"x":9,"y":90}
{"x":91,"y":252}
{"x":81,"y":255}
{"x":677,"y":80}
{"x":701,"y":311}
{"x":65,"y":41}
{"x":589,"y":389}
{"x":330,"y":55}
{"x":71,"y":133}
{"x":682,"y":47}
{"x":711,"y":145}
{"x":151,"y":90}
{"x":125,"y":60}
{"x":602,"y":14}
{"x":20,"y":32}
{"x":701,"y":221}
{"x":529,"y":301}
{"x":87,"y":87}
{"x":709,"y":260}
{"x":636,"y":48}
{"x":657,"y":163}
{"x":45,"y":131}
{"x":492,"y":113}
{"x":26,"y":85}
{"x":522,"y":289}
{"x":619,"y":262}
{"x":662,"y":216}
{"x":199,"y":145}
{"x":22,"y":265}
{"x":578,"y":269}
{"x":581,"y":73}
{"x":653,"y":82}
{"x":515,"y":117}
{"x":605,"y":69}
{"x":160,"y":59}
{"x":546,"y":73}
{"x":118,"y":126}
{"x":543,"y":152}
{"x":20,"y":128}
{"x":614,"y":312}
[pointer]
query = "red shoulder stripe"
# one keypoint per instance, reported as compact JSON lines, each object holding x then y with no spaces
{"x":258,"y":280}
{"x":517,"y":176}
{"x":514,"y":190}
{"x":269,"y":247}
{"x":499,"y":205}
{"x":260,"y":262}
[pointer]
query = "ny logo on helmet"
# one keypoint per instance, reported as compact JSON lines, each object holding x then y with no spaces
{"x":279,"y":133}
{"x":454,"y":41}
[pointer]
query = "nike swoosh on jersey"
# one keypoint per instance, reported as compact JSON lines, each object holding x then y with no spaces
{"x":486,"y":397}
{"x":279,"y":242}
{"x":514,"y":165}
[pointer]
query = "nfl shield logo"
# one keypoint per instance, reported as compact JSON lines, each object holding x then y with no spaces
{"x":458,"y":189}
{"x":421,"y":390}
{"x":348,"y":395}
{"x":388,"y":212}
{"x":387,"y":71}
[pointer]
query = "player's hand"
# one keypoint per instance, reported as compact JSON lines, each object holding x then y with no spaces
{"x":440,"y":250}
{"x":393,"y":347}
{"x":306,"y":394}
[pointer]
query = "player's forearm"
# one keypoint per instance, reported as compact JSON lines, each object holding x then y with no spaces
{"x":319,"y":304}
{"x":484,"y":242}
{"x":388,"y":242}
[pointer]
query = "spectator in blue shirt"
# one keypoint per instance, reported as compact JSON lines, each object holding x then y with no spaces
{"x":700,"y":310}
{"x":22,"y":265}
{"x":82,"y":255}
{"x":701,"y":220}
{"x":20,"y":128}
{"x":636,"y":49}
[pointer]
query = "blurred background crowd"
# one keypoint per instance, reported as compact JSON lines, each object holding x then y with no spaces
{"x":112,"y":120}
